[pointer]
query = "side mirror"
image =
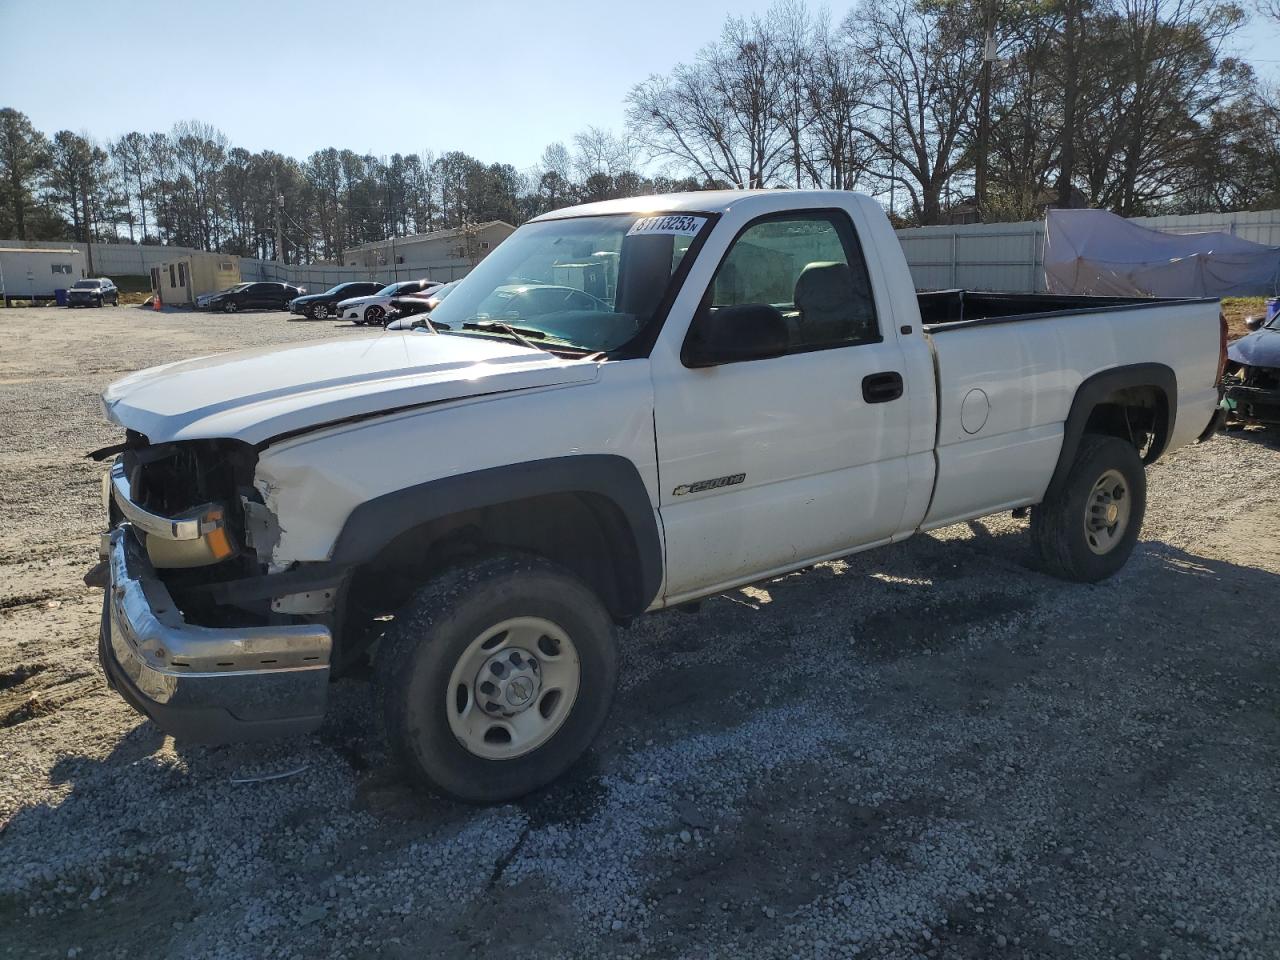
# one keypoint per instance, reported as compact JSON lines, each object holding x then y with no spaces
{"x":1254,"y":323}
{"x":748,"y":331}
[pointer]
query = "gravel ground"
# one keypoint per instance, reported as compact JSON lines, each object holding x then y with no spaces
{"x":928,"y":750}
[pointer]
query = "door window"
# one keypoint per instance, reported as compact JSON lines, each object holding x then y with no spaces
{"x":811,"y":269}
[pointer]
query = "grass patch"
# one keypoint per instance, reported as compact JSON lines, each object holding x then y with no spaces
{"x":1236,"y":309}
{"x":132,"y":283}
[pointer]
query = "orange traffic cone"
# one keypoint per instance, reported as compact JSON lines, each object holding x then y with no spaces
{"x":155,"y":302}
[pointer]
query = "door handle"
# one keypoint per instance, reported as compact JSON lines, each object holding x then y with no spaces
{"x":882,"y":387}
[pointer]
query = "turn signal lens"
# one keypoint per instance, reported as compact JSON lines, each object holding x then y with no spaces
{"x":215,"y":536}
{"x":219,"y":543}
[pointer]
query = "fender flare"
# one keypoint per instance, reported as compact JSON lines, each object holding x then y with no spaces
{"x":1094,"y":390}
{"x":375,"y":523}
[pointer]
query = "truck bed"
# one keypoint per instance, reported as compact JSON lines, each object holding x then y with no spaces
{"x":941,"y":310}
{"x":1009,"y":366}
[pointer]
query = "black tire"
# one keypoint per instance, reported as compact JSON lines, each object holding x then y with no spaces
{"x":320,"y":311}
{"x":1059,"y":531}
{"x":230,"y":307}
{"x":431,"y":633}
{"x":98,"y":302}
{"x":374,"y":316}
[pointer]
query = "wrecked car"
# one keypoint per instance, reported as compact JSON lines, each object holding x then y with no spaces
{"x":1251,"y":386}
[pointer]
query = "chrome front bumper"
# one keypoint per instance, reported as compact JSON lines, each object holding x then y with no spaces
{"x":206,"y":684}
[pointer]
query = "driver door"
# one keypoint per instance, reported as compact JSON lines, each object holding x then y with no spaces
{"x":769,"y":464}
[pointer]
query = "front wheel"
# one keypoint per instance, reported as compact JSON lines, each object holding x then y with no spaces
{"x":1086,"y":530}
{"x":230,"y":307}
{"x":495,"y":678}
{"x":320,"y":312}
{"x":374,"y":315}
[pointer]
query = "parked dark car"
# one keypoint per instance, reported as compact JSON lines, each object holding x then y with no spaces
{"x":321,"y":306}
{"x":1252,"y":381}
{"x":263,"y":295}
{"x":93,"y":293}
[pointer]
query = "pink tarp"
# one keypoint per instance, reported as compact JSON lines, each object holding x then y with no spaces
{"x":1096,"y":253}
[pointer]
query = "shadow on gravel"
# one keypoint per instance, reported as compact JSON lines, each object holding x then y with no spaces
{"x":142,"y":741}
{"x":942,"y":694}
{"x":1263,"y":436}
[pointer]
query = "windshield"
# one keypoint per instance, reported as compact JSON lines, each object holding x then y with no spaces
{"x":338,"y":289}
{"x":238,"y":287}
{"x":588,"y":283}
{"x":86,"y":285}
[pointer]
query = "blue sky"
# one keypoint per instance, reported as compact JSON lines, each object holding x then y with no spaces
{"x":496,"y":78}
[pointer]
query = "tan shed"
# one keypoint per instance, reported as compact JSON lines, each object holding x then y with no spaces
{"x":180,"y":281}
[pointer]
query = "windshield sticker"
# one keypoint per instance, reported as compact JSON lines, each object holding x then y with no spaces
{"x":678,"y":226}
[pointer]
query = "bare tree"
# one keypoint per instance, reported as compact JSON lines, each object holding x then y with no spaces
{"x":600,"y":152}
{"x":718,"y":117}
{"x":1158,"y":76}
{"x":791,"y":29}
{"x":924,"y":61}
{"x":837,"y":94}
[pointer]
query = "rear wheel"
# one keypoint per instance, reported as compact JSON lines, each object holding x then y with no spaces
{"x":495,"y":678}
{"x":1086,"y":530}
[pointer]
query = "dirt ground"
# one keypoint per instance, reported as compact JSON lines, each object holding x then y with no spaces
{"x":929,"y":750}
{"x":1237,"y":310}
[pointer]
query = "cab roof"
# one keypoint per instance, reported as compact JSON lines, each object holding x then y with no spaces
{"x":704,"y":201}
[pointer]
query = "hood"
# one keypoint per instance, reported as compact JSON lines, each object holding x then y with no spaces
{"x":254,"y":395}
{"x":1259,"y":349}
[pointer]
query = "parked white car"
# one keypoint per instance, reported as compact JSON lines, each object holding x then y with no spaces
{"x":372,"y":310}
{"x":751,"y":385}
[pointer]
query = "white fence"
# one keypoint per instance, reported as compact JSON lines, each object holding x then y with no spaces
{"x":1009,"y":257}
{"x":982,"y":256}
{"x":126,"y":259}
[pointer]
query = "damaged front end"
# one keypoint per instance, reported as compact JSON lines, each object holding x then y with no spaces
{"x":1251,"y":384}
{"x":1252,"y":394}
{"x":196,"y":633}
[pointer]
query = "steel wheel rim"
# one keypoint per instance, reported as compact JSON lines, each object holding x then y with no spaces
{"x":373,"y":315}
{"x":507,"y":714}
{"x":230,"y":308}
{"x":1106,"y":513}
{"x":321,"y":312}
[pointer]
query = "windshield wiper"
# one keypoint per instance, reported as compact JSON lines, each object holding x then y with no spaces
{"x":521,"y":334}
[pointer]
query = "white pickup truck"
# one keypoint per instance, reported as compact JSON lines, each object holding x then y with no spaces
{"x":625,"y":407}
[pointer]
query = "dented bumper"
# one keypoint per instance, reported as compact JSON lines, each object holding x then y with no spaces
{"x":206,"y":684}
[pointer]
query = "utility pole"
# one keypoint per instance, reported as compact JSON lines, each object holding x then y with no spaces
{"x":984,"y":109}
{"x":280,"y":258}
